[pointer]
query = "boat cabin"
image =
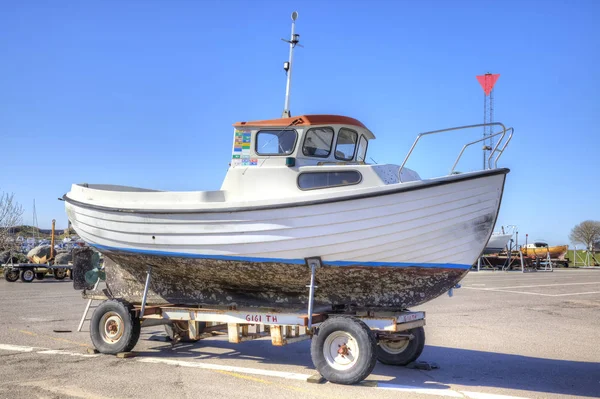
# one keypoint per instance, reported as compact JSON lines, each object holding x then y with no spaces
{"x":304,"y":153}
{"x":538,"y":244}
{"x":300,"y":141}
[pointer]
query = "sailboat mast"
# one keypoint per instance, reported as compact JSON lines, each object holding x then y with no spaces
{"x":35,"y":224}
{"x":287,"y":66}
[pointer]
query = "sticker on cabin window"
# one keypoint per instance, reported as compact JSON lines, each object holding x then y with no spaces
{"x":242,"y":140}
{"x":241,"y":147}
{"x":246,"y":138}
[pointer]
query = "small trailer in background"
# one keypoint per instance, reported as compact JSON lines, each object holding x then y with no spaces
{"x":28,"y":272}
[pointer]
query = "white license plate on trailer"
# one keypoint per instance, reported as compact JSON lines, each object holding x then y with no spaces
{"x":410,"y":316}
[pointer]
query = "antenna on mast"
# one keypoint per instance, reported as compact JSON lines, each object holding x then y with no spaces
{"x":287,"y":66}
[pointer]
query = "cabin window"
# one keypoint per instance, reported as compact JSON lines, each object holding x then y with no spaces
{"x":314,"y":180}
{"x":317,"y":142}
{"x":362,"y":149}
{"x":275,"y":142}
{"x":346,"y":144}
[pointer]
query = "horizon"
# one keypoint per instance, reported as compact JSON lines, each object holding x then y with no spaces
{"x":146,"y":94}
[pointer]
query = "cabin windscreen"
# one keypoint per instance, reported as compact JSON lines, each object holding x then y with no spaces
{"x":362,"y":149}
{"x":276,"y":142}
{"x":317,"y":142}
{"x":346,"y":144}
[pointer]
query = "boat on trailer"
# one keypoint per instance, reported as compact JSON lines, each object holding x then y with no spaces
{"x":302,"y":223}
{"x":541,"y":249}
{"x":386,"y":238}
{"x":499,"y":241}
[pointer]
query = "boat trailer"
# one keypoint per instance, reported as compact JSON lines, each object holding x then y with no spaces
{"x":345,"y":345}
{"x":28,"y":272}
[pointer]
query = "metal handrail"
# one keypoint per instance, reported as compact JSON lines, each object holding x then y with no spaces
{"x":500,"y":152}
{"x":446,"y":130}
{"x":478,"y":141}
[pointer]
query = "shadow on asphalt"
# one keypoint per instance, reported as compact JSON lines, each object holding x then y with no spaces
{"x":457,"y":366}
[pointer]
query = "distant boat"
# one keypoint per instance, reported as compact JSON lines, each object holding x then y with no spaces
{"x":497,"y":243}
{"x":499,"y":240}
{"x":540,"y":249}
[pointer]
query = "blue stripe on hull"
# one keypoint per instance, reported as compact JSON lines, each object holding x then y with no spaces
{"x":279,"y":260}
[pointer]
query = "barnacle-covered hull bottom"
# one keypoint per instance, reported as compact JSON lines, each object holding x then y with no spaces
{"x":273,"y":285}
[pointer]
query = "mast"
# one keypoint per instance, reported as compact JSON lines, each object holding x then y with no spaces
{"x":287,"y":66}
{"x":35,"y":233}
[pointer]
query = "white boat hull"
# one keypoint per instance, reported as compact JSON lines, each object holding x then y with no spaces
{"x":430,"y":233}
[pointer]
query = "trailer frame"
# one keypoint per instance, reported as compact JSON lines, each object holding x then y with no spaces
{"x":346,"y":342}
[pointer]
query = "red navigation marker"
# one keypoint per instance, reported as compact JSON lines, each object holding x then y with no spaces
{"x":488,"y":81}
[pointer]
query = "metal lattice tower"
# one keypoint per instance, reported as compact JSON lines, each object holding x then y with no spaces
{"x":487,"y":82}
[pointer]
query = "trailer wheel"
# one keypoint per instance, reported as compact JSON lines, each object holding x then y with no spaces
{"x":60,"y":274}
{"x":11,"y":275}
{"x":401,"y":353}
{"x":40,"y":275}
{"x":27,"y":275}
{"x":114,"y":327}
{"x":343,"y":350}
{"x":179,"y":331}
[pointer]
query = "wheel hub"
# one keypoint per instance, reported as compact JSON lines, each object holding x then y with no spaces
{"x":341,"y":350}
{"x":112,"y":327}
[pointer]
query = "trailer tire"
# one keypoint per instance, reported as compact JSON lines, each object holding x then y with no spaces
{"x":181,"y":329}
{"x":60,"y":274}
{"x":335,"y":339}
{"x":11,"y":275}
{"x":27,"y":275}
{"x":40,"y":275}
{"x":403,"y":352}
{"x":114,"y":327}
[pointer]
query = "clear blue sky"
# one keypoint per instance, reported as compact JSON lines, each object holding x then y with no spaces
{"x":144,"y":93}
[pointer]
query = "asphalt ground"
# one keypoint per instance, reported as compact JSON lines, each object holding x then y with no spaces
{"x":502,"y":335}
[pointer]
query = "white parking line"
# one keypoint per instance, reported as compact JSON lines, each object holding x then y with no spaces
{"x":234,"y":369}
{"x":541,"y":285}
{"x":445,"y":392}
{"x":269,"y":373}
{"x":481,"y":395}
{"x":16,"y":348}
{"x":422,"y":391}
{"x":579,"y":293}
{"x":530,"y":293}
{"x":59,"y":352}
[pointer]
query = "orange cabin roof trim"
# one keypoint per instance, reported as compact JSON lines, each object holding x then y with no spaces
{"x":305,"y":120}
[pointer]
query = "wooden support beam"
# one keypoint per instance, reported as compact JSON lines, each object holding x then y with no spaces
{"x":277,"y":336}
{"x":233,"y":332}
{"x":193,"y":327}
